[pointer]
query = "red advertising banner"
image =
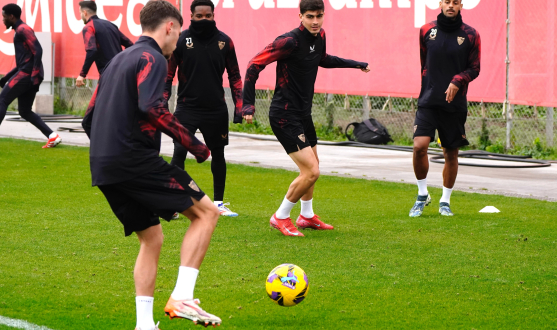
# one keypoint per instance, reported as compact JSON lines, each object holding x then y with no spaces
{"x":381,"y":32}
{"x":533,"y":53}
{"x":63,"y":20}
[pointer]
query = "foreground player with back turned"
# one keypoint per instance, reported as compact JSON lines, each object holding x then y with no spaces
{"x":124,"y":122}
{"x":102,"y":40}
{"x":201,"y":56}
{"x":450,"y":55}
{"x":23,"y":82}
{"x":299,"y":53}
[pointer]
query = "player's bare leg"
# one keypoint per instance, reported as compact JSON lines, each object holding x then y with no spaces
{"x":307,"y":218}
{"x":421,"y":163}
{"x":450,"y":171}
{"x":145,"y":271}
{"x":308,"y":163}
{"x":421,"y":168}
{"x":145,"y":274}
{"x":204,"y":217}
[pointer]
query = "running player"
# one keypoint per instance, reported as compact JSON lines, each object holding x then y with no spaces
{"x":124,"y":122}
{"x":24,"y":80}
{"x":202,"y":54}
{"x":102,"y":40}
{"x":299,"y":53}
{"x":450,"y":54}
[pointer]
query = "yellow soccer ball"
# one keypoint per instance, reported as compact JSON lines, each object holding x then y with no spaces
{"x":287,"y":285}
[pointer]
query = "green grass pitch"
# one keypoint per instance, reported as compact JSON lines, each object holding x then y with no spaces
{"x":65,"y":263}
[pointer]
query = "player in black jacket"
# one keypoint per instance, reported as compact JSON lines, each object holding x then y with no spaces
{"x":450,"y":54}
{"x":124,"y":122}
{"x":102,"y":40}
{"x":24,"y":80}
{"x":299,"y":53}
{"x":201,"y":56}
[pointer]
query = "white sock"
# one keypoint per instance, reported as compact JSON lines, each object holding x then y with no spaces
{"x":284,"y":210}
{"x":53,"y":134}
{"x":422,"y":187}
{"x":185,"y":283}
{"x":144,"y":311}
{"x":446,"y":198}
{"x":307,"y":209}
{"x":217,"y":203}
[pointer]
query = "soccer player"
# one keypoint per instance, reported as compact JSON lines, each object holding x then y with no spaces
{"x":24,"y":80}
{"x":450,"y":56}
{"x":102,"y":40}
{"x":124,"y":122}
{"x":202,"y":54}
{"x":299,"y":53}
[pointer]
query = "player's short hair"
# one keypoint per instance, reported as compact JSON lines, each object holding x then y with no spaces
{"x":12,"y":9}
{"x":196,"y":3}
{"x":311,"y":5}
{"x":91,"y":6}
{"x":157,"y":12}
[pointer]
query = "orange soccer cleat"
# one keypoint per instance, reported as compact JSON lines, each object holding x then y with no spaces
{"x":312,"y":223}
{"x":285,"y":226}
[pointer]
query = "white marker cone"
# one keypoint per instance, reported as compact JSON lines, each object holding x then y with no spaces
{"x":489,"y":209}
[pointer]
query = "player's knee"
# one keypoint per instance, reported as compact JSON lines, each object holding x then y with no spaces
{"x":24,"y":114}
{"x":153,"y":241}
{"x":212,"y":215}
{"x":314,"y":174}
{"x":420,"y":150}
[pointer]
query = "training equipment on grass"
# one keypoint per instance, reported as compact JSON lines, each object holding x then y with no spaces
{"x":489,"y":209}
{"x":287,"y":285}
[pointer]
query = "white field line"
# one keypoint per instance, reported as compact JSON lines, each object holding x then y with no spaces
{"x":20,"y":324}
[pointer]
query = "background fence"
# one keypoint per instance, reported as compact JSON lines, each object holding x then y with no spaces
{"x":520,"y":125}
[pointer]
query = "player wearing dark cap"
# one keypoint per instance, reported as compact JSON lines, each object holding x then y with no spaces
{"x":299,"y":53}
{"x":201,"y":56}
{"x":124,"y":122}
{"x":450,"y":54}
{"x":103,"y":40}
{"x":23,"y":82}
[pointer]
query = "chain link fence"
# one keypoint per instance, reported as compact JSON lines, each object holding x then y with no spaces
{"x":492,"y":123}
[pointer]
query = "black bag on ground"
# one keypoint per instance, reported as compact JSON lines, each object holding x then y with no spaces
{"x":369,"y":131}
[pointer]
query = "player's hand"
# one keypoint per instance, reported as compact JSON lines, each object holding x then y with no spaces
{"x":249,"y":119}
{"x":202,"y":154}
{"x":80,"y":82}
{"x":451,"y":92}
{"x":366,"y":69}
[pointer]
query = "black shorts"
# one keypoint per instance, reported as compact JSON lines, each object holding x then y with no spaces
{"x":213,"y":125}
{"x":138,"y":203}
{"x":294,"y":133}
{"x":450,"y":126}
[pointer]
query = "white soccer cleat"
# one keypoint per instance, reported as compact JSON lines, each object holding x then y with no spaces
{"x":189,"y":309}
{"x":225,"y":211}
{"x":53,"y":141}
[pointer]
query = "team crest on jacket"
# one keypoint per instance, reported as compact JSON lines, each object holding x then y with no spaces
{"x":221,"y":44}
{"x":433,"y":34}
{"x":302,"y":137}
{"x":194,"y":186}
{"x":189,"y":43}
{"x":460,"y":40}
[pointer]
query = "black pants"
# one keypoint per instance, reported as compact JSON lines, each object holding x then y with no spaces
{"x":215,"y":133}
{"x":20,"y":87}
